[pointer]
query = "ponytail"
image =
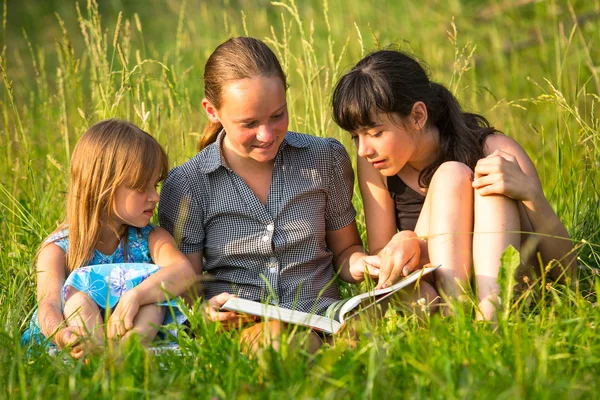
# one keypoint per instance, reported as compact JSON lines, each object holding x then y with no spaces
{"x":211,"y":131}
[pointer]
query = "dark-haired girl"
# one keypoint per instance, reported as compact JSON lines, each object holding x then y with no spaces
{"x":427,"y":169}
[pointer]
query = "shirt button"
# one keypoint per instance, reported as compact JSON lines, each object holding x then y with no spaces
{"x":272,"y":270}
{"x":265,"y":238}
{"x":270,"y":227}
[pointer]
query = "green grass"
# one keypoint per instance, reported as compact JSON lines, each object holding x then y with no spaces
{"x":529,"y":69}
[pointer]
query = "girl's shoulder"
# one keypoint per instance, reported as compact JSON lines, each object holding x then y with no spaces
{"x":139,"y":234}
{"x":502,"y":142}
{"x":298,"y":139}
{"x":320,"y":146}
{"x":59,"y":238}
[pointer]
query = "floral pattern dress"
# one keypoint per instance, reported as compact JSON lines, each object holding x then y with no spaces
{"x":107,"y":277}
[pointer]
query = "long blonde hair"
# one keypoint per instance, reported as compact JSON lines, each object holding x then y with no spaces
{"x":235,"y":59}
{"x":109,"y":154}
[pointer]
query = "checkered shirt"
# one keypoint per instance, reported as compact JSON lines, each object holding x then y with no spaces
{"x":274,"y":252}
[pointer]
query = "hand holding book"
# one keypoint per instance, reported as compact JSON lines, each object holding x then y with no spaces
{"x":214,"y":311}
{"x":400,"y":257}
{"x":335,"y":316}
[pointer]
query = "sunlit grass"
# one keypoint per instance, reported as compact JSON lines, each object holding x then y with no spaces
{"x":530,"y":68}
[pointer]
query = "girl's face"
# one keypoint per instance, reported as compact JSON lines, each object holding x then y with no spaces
{"x":134,"y":207}
{"x":387,"y":145}
{"x":254,"y":116}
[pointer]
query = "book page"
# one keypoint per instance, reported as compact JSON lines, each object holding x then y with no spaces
{"x":335,"y":315}
{"x":269,"y":311}
{"x":375,"y":296}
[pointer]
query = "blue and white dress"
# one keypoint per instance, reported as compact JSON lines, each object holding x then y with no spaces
{"x":107,"y":277}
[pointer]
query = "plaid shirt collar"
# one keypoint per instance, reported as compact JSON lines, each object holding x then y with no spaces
{"x":214,"y":155}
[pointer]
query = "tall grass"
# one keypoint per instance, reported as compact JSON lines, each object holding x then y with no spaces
{"x":529,"y":67}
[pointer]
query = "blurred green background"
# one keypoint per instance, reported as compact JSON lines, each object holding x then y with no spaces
{"x":530,"y":66}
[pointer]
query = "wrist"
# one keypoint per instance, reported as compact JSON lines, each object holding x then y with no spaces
{"x":51,"y":319}
{"x":60,"y":337}
{"x":133,"y":294}
{"x":404,"y":235}
{"x":536,"y":199}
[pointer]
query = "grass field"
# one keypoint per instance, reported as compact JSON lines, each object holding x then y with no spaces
{"x":531,"y":67}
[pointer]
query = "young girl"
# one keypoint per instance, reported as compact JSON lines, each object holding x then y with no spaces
{"x":430,"y":170}
{"x":106,"y":255}
{"x":267,"y":212}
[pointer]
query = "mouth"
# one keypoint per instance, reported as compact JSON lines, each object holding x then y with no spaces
{"x":265,"y":146}
{"x":149,"y":211}
{"x":378,"y":163}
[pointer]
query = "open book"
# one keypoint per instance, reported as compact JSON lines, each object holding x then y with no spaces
{"x":336,"y":314}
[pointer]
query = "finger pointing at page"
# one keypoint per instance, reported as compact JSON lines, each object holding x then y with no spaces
{"x":397,"y":257}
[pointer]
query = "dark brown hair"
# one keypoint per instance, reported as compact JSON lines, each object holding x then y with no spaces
{"x":392,"y":82}
{"x":237,"y":58}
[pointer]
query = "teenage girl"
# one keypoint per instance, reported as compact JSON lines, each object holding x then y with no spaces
{"x":427,"y":169}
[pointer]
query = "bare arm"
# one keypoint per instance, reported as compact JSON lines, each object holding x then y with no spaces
{"x":508,"y":170}
{"x":51,"y":266}
{"x":174,"y":277}
{"x":399,"y":252}
{"x":348,"y":254}
{"x":378,"y":205}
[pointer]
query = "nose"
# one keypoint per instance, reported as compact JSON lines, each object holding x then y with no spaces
{"x":265,"y":133}
{"x":363,"y":150}
{"x":153,"y":195}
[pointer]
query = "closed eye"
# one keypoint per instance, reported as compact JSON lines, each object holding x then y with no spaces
{"x":249,"y":124}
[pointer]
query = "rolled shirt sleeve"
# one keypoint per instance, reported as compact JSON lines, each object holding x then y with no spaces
{"x":339,"y":211}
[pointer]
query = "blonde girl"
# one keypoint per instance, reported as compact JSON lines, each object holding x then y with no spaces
{"x":106,"y":258}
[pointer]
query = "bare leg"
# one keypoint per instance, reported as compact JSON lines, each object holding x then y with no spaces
{"x":447,"y":221}
{"x":497,"y":225}
{"x":81,"y":311}
{"x":146,"y":323}
{"x":268,"y":334}
{"x":529,"y":243}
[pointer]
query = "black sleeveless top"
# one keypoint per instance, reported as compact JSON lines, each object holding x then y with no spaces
{"x":408,"y":203}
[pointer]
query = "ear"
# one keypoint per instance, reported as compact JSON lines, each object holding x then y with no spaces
{"x":418,"y":116}
{"x":211,"y":111}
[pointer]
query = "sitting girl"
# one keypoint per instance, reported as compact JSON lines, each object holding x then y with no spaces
{"x":106,"y":255}
{"x":266,"y":211}
{"x":428,"y":169}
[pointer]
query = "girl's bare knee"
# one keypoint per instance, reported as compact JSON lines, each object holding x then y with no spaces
{"x":428,"y":292}
{"x":76,"y":296}
{"x":79,"y":305}
{"x":451,"y":175}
